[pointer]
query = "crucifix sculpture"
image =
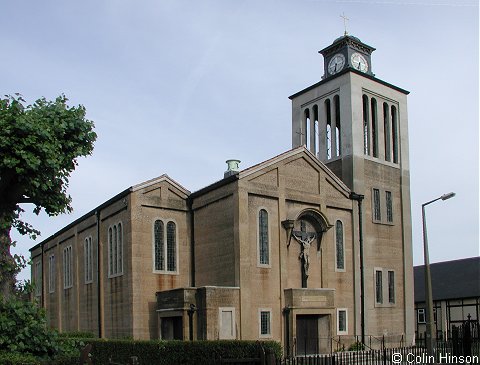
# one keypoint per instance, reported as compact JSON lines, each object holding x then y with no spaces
{"x":305,"y":239}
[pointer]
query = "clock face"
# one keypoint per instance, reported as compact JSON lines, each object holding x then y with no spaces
{"x":336,"y":64}
{"x":359,"y":62}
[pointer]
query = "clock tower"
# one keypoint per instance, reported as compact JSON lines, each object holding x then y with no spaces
{"x":347,"y":52}
{"x":357,"y":125}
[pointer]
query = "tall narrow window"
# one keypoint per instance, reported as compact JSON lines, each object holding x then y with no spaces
{"x":328,"y":131}
{"x":316,"y":131}
{"x":386,"y":131}
{"x":342,"y":321}
{"x":38,"y":278}
{"x":51,"y":274}
{"x":159,"y":246}
{"x":338,"y":141}
{"x":164,"y":246}
{"x":263,"y":248}
{"x":377,"y":216}
{"x":115,"y":247}
{"x":67,"y":268}
{"x":374,"y":128}
{"x":265,"y":325}
{"x":378,"y":287}
{"x":110,"y":251}
{"x":171,"y":247}
{"x":115,"y":250}
{"x":88,"y":256}
{"x":306,"y":125}
{"x":366,"y":127}
{"x":388,"y":200}
{"x":391,"y":287}
{"x":339,"y":244}
{"x":394,"y":134}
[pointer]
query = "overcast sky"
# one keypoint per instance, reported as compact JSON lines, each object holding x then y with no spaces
{"x":178,"y":87}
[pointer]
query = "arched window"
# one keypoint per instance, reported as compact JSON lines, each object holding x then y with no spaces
{"x":263,"y":248}
{"x":120,"y":249}
{"x":338,"y":141}
{"x":394,"y":134}
{"x":374,"y":128}
{"x":164,"y":246}
{"x":386,"y":128}
{"x":306,"y":125}
{"x":159,"y":259}
{"x":115,"y":250}
{"x":328,"y":131}
{"x":110,"y":251}
{"x":340,"y":246}
{"x":316,"y":131}
{"x":366,"y":128}
{"x":171,"y":247}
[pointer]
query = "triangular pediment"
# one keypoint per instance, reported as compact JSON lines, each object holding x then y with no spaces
{"x":153,"y":187}
{"x":301,"y":171}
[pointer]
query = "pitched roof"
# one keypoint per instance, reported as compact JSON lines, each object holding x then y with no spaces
{"x":450,"y":279}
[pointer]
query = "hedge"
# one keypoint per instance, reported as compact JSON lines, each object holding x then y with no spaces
{"x":13,"y":358}
{"x":177,"y":352}
{"x":152,"y":352}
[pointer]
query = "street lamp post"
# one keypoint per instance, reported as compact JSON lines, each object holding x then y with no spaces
{"x":430,"y":336}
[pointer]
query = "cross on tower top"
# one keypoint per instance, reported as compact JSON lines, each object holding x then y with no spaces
{"x":345,"y":19}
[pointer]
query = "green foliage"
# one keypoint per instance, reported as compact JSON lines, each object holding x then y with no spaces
{"x":356,"y":346}
{"x":13,"y":358}
{"x":39,"y":147}
{"x":177,"y":352}
{"x":77,"y":334}
{"x":23,"y":329}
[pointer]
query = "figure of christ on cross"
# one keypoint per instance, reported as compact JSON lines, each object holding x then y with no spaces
{"x":305,"y":239}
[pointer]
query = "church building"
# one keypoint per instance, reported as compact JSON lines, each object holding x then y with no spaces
{"x":311,"y":245}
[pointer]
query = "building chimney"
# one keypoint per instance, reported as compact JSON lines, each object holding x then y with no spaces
{"x":232,"y":168}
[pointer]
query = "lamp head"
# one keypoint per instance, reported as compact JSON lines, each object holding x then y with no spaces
{"x":447,"y":196}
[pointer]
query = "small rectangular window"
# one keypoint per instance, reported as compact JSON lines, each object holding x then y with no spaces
{"x":388,"y":199}
{"x":391,"y":287}
{"x":421,"y":315}
{"x":265,"y":330}
{"x":377,"y":216}
{"x":51,"y":274}
{"x":342,"y":324}
{"x":378,"y":287}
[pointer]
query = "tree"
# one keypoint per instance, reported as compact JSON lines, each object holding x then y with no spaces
{"x":39,"y":147}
